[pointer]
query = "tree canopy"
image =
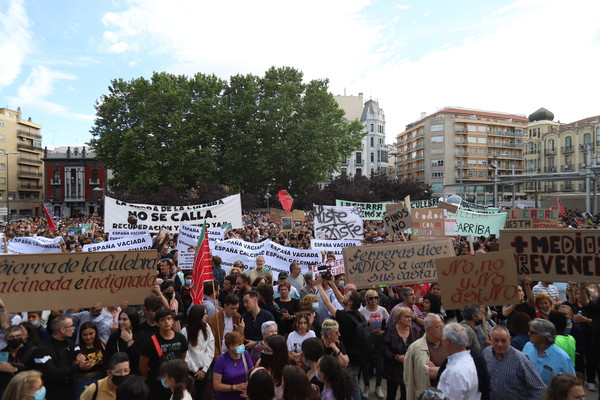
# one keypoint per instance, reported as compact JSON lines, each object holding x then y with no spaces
{"x":253,"y":133}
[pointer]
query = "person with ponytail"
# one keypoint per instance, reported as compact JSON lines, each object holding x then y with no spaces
{"x":339,"y":384}
{"x":174,"y":376}
{"x":201,"y":347}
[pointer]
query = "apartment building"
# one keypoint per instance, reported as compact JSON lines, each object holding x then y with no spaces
{"x":21,"y":172}
{"x":460,"y":151}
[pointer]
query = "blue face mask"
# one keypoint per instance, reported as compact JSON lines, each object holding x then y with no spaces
{"x":315,"y":306}
{"x":341,"y":283}
{"x":35,"y":322}
{"x":163,"y":381}
{"x":240,"y":349}
{"x":188,"y":282}
{"x":569,"y":321}
{"x":40,"y":394}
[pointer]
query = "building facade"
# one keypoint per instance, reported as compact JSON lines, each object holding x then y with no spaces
{"x":21,"y":172}
{"x":460,"y":151}
{"x":556,"y":148}
{"x":372,"y":157}
{"x":75,"y":181}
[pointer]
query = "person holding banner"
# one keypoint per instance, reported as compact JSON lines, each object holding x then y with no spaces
{"x":260,"y":270}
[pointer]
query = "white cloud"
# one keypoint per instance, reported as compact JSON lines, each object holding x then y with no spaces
{"x":15,"y":43}
{"x":426,"y":14}
{"x":39,"y":85}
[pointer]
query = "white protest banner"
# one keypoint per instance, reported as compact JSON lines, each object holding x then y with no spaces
{"x":189,"y":234}
{"x":370,"y":211}
{"x":332,"y":222}
{"x":333,"y":245}
{"x":114,"y":234}
{"x":185,"y":260}
{"x":155,"y":217}
{"x":450,"y":226}
{"x":478,"y":224}
{"x":138,"y":242}
{"x":480,"y":208}
{"x":33,"y":245}
{"x":277,"y":258}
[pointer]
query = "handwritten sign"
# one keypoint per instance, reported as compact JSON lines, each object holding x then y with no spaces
{"x":167,"y":217}
{"x":428,"y":223}
{"x":68,"y":280}
{"x":448,"y":206}
{"x":395,"y":264}
{"x":478,"y":224}
{"x":275,"y":215}
{"x":489,"y":279}
{"x":555,"y":255}
{"x":397,"y":218}
{"x":370,"y":211}
{"x":424,"y":203}
{"x":536,"y":218}
{"x":332,"y":222}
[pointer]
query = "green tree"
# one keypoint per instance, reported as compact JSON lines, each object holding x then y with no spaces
{"x":252,"y":133}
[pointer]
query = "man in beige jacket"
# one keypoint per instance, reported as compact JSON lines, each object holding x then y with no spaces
{"x":424,"y":357}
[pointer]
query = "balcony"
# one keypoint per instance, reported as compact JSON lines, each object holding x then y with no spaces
{"x":30,"y":135}
{"x":550,"y":169}
{"x":75,"y":198}
{"x":567,"y":167}
{"x":567,"y":149}
{"x":28,"y":147}
{"x":583,"y":147}
{"x":56,"y":181}
{"x":29,"y":161}
{"x":30,"y":187}
{"x":419,"y":168}
{"x":29,"y":174}
{"x":531,"y":152}
{"x":94,"y":182}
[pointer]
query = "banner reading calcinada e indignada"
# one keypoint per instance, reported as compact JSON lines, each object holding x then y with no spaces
{"x":277,"y":257}
{"x":156,"y":217}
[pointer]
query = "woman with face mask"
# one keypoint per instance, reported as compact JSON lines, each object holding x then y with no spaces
{"x":174,"y":376}
{"x":274,"y":358}
{"x":175,"y":303}
{"x":230,"y":372}
{"x":310,"y":304}
{"x":26,"y":385}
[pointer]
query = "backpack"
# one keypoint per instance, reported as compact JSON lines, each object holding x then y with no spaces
{"x":363,"y":342}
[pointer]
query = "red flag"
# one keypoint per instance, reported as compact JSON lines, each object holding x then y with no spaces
{"x":561,"y":209}
{"x":49,"y":219}
{"x":286,"y":200}
{"x":202,"y":266}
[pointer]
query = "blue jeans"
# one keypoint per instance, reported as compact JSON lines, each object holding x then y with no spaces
{"x":355,"y":371}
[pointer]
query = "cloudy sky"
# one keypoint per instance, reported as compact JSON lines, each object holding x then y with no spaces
{"x":413,"y":56}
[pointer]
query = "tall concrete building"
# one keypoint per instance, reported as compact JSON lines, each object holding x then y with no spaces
{"x":21,"y":173}
{"x":458,"y":150}
{"x":372,"y":157}
{"x":555,"y":147}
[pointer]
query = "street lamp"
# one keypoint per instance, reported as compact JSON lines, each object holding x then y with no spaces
{"x":7,"y":187}
{"x":268,"y":197}
{"x":495,"y":168}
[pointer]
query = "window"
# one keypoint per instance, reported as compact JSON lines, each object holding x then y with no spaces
{"x":551,"y":144}
{"x":2,"y":137}
{"x":481,"y":140}
{"x":2,"y":152}
{"x":568,"y":144}
{"x":436,"y":150}
{"x":372,"y":157}
{"x":358,"y":171}
{"x":437,"y":163}
{"x":12,"y":195}
{"x":472,"y":139}
{"x":344,"y":172}
{"x":482,"y":128}
{"x":598,"y":136}
{"x":437,"y":128}
{"x":372,"y":141}
{"x":437,"y":139}
{"x":437,"y":174}
{"x":358,"y":157}
{"x":2,"y":166}
{"x":3,"y":181}
{"x":587,"y":139}
{"x":372,"y":128}
{"x":1,"y":123}
{"x":472,"y":128}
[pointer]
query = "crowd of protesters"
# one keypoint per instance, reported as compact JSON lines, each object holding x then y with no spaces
{"x":295,"y":336}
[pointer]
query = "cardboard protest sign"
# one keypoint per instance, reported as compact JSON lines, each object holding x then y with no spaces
{"x":114,"y":234}
{"x":488,"y":278}
{"x":397,"y":218}
{"x":157,"y":217}
{"x":536,"y":218}
{"x":429,"y":203}
{"x":478,"y":224}
{"x":559,"y":255}
{"x":33,"y":245}
{"x":448,"y":206}
{"x":395,"y":264}
{"x":332,"y":222}
{"x":370,"y":211}
{"x":138,"y":242}
{"x":407,"y":201}
{"x":68,"y":280}
{"x":286,"y":224}
{"x":428,"y":223}
{"x":275,"y":215}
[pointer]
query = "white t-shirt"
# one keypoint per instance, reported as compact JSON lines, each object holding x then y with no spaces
{"x":375,"y":318}
{"x":186,"y":396}
{"x":294,"y":340}
{"x":226,"y":329}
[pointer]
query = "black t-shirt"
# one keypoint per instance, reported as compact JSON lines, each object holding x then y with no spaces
{"x":347,"y":325}
{"x":293,"y":306}
{"x":328,"y":351}
{"x":172,"y":349}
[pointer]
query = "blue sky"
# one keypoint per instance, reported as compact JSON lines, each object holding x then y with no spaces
{"x":416,"y":56}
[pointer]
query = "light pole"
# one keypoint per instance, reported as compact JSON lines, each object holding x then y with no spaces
{"x":7,"y":187}
{"x":268,"y":197}
{"x":495,"y":168}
